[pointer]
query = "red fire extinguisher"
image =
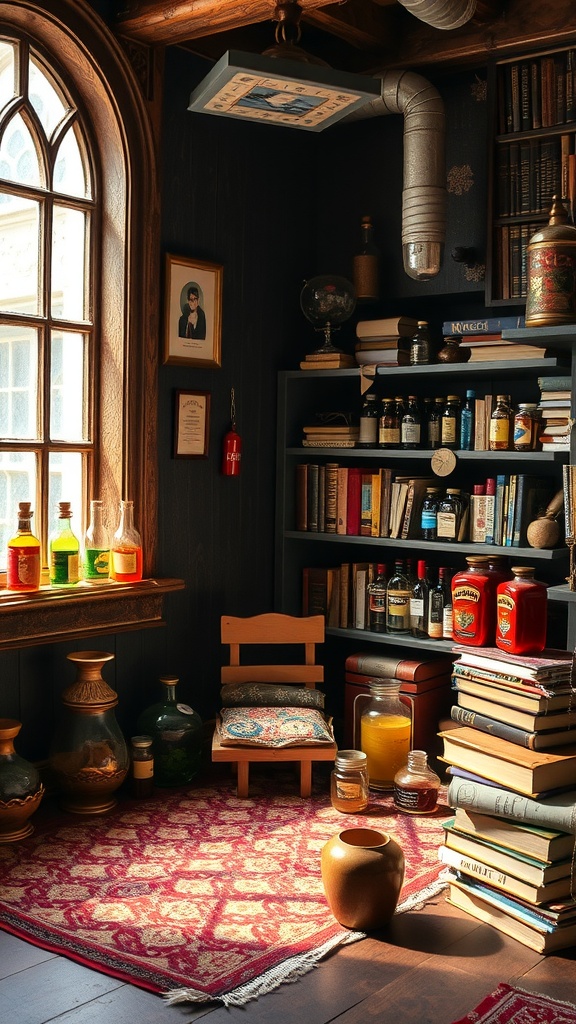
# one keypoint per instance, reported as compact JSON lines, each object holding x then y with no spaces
{"x":232,"y":448}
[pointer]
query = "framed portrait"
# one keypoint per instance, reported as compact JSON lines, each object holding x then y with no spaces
{"x":192,"y":425}
{"x":193,"y":312}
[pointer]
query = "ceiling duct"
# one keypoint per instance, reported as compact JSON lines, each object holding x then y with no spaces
{"x":442,"y":14}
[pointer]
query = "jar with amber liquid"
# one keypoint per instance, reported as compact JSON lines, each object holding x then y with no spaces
{"x":501,"y":426}
{"x":382,"y":728}
{"x":349,"y":782}
{"x":416,"y":786}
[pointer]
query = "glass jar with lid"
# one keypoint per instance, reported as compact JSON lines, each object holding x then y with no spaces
{"x":349,"y":782}
{"x":382,"y":729}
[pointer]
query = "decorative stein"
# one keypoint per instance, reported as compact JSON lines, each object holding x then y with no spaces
{"x":551,"y":261}
{"x":20,"y":787}
{"x":362,"y":874}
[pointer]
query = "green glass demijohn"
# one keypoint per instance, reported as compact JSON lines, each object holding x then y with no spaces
{"x":176,"y":731}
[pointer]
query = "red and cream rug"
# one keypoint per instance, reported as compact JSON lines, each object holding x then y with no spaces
{"x":507,"y":1005}
{"x":195,"y":893}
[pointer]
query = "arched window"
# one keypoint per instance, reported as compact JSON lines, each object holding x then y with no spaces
{"x":79,"y":270}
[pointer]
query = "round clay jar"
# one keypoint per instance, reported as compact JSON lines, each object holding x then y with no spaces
{"x":362,"y":874}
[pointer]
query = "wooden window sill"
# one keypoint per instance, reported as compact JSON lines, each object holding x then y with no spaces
{"x":52,"y":615}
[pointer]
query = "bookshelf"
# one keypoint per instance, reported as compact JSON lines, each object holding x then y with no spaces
{"x":532,"y":158}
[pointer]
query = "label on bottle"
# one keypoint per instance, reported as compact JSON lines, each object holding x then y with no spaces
{"x":429,"y":519}
{"x":368,"y":430}
{"x":416,"y":607}
{"x":143,"y":769}
{"x":447,"y":622}
{"x":410,"y":433}
{"x":96,"y":563}
{"x":499,"y":430}
{"x":126,"y":562}
{"x":398,"y":610}
{"x":446,"y":525}
{"x":64,"y":567}
{"x":389,"y":435}
{"x":185,"y":709}
{"x":448,"y":430}
{"x":23,"y":567}
{"x":465,"y":601}
{"x":435,"y":615}
{"x":523,"y":432}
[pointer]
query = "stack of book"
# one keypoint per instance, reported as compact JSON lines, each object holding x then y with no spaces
{"x":330,"y":436}
{"x":510,"y":846}
{"x":385,"y":342}
{"x":483,"y":337}
{"x":554,"y":409}
{"x":328,"y":361}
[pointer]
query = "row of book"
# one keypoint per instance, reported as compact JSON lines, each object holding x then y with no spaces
{"x":520,"y":498}
{"x":555,"y":412}
{"x":339,"y":592}
{"x":537,"y":93}
{"x":531,"y":172}
{"x":509,"y":848}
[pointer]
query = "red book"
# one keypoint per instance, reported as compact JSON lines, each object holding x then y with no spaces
{"x":354,"y":502}
{"x":390,"y":667}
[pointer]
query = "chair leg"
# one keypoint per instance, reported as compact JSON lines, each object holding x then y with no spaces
{"x":305,"y":778}
{"x":243,"y":770}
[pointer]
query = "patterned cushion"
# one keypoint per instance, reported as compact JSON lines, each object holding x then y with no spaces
{"x":270,"y":695}
{"x":273,"y":727}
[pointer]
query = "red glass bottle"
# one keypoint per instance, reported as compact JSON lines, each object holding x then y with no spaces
{"x":521,"y":613}
{"x":474,"y":604}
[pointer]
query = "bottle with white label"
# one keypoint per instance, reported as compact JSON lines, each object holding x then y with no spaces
{"x":126,"y":552}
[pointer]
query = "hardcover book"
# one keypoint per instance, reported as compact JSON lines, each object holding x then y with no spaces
{"x":531,"y":892}
{"x":537,"y":721}
{"x":511,"y":862}
{"x":532,"y":840}
{"x":557,"y":810}
{"x":549,"y":740}
{"x":551,"y":664}
{"x":403,"y":326}
{"x":389,"y":666}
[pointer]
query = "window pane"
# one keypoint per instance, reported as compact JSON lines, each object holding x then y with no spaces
{"x":18,"y":382}
{"x":17,"y":483}
{"x":44,"y":98}
{"x":65,"y":484}
{"x":71,"y":170}
{"x":68,"y":264}
{"x":18,"y":156}
{"x":19,"y":254}
{"x":68,"y":419}
{"x":7,"y":82}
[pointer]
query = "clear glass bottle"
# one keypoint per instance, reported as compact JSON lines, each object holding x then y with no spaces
{"x":349,"y":782}
{"x":411,"y":425}
{"x":369,"y":415}
{"x":64,"y":551}
{"x":419,"y":602}
{"x":176,"y":731}
{"x":450,"y":423}
{"x":142,"y":760}
{"x":96,"y":562}
{"x":467,"y":422}
{"x":429,"y":513}
{"x":384,"y":725}
{"x":437,"y":601}
{"x":23,"y":568}
{"x":389,"y":425}
{"x":366,"y":265}
{"x":420,"y":346}
{"x":126,"y":550}
{"x":434,"y":424}
{"x":377,"y":601}
{"x":398,"y":601}
{"x":521,"y":612}
{"x":500,"y":428}
{"x":416,"y":786}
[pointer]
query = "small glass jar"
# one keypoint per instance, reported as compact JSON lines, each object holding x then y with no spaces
{"x":382,"y":730}
{"x":349,"y":782}
{"x":416,"y":785}
{"x":142,"y":766}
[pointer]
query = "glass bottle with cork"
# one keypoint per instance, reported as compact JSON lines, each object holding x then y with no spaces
{"x":176,"y":731}
{"x":366,"y":265}
{"x":450,"y":423}
{"x":96,"y":564}
{"x":64,"y":550}
{"x":382,"y":729}
{"x":349,"y":782}
{"x":411,"y":425}
{"x":377,"y":601}
{"x":420,"y":346}
{"x":449,"y":515}
{"x":416,"y":786}
{"x":467,"y":422}
{"x":429,"y":513}
{"x":521,"y":612}
{"x":434,"y":424}
{"x":126,"y":550}
{"x":389,"y":425}
{"x":23,"y":568}
{"x":523,"y":427}
{"x":437,"y":600}
{"x":500,"y":432}
{"x":369,"y":415}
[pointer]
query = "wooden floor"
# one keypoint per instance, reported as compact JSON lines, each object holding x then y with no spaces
{"x":430,"y":967}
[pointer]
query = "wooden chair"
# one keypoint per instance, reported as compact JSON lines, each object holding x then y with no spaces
{"x":273,"y":628}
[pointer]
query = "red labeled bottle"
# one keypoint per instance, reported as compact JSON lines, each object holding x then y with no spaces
{"x":521,"y":613}
{"x":474,"y":604}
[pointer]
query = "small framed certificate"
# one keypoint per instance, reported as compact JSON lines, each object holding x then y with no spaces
{"x":192,"y":425}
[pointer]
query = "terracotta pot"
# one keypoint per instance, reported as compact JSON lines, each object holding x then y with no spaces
{"x":362,"y":873}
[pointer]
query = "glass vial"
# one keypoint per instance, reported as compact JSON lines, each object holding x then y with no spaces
{"x":385,"y":726}
{"x":96,"y":563}
{"x":23,"y":569}
{"x":420,"y":346}
{"x":416,"y":785}
{"x":142,"y":766}
{"x":126,"y":552}
{"x":523,"y":428}
{"x":349,"y":782}
{"x":64,"y":551}
{"x":369,"y":415}
{"x":429,"y":513}
{"x":365,"y":265}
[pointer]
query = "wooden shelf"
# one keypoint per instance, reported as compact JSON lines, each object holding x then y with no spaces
{"x":460,"y":548}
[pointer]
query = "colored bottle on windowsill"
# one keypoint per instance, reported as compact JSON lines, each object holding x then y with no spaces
{"x":64,"y":551}
{"x":23,"y":569}
{"x":126,"y":551}
{"x":96,"y":562}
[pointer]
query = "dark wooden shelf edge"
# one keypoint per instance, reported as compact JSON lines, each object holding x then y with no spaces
{"x":462,"y":547}
{"x":562,"y":593}
{"x":425,"y":454}
{"x":52,"y":616}
{"x":392,"y":639}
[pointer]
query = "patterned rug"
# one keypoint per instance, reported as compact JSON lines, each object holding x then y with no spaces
{"x":507,"y":1005}
{"x":196,"y":893}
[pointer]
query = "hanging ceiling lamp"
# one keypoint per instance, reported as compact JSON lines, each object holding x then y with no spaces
{"x":284,"y":85}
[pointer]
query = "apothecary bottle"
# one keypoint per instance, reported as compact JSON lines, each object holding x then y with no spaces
{"x":474,"y":604}
{"x":389,"y":425}
{"x":377,"y":601}
{"x":521,"y":613}
{"x":429,"y":513}
{"x":369,"y":415}
{"x":449,"y":515}
{"x":500,"y":428}
{"x":23,"y":568}
{"x":450,"y":423}
{"x":176,"y":731}
{"x":383,"y":724}
{"x":126,"y":551}
{"x":366,"y":264}
{"x":398,"y":600}
{"x":96,"y":562}
{"x":349,"y":782}
{"x":64,"y":550}
{"x":434,"y":424}
{"x":420,"y":347}
{"x":523,"y":429}
{"x":467,"y":422}
{"x":142,"y":761}
{"x":437,"y":601}
{"x":411,"y":425}
{"x":419,"y":602}
{"x":416,"y":786}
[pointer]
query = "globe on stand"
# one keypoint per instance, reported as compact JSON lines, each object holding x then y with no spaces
{"x":327,"y":302}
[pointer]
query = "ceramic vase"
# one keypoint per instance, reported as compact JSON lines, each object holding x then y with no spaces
{"x":89,"y":756}
{"x":20,"y":787}
{"x":362,"y":873}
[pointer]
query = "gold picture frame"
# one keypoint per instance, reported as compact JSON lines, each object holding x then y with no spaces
{"x":192,"y":424}
{"x":193,"y":312}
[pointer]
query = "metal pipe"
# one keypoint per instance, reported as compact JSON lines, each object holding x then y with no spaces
{"x":442,"y":14}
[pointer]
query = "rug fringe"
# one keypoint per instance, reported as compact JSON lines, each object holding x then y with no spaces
{"x":290,"y":970}
{"x":417,"y":901}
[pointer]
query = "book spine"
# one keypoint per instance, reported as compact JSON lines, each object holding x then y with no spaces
{"x":488,"y":325}
{"x":301,"y":511}
{"x":476,"y":868}
{"x":331,"y":499}
{"x":557,"y":812}
{"x":494,"y":727}
{"x":313,"y":471}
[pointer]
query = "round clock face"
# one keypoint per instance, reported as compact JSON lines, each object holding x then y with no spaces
{"x":443,"y":462}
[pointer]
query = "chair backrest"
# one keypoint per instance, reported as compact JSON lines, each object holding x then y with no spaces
{"x":267,"y":629}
